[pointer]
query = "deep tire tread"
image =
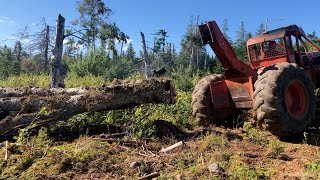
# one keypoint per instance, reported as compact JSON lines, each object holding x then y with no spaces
{"x":202,"y":106}
{"x":269,"y":101}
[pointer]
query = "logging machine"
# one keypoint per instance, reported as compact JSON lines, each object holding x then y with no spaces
{"x":278,"y":84}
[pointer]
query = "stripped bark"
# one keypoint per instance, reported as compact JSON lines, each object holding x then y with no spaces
{"x":20,"y":107}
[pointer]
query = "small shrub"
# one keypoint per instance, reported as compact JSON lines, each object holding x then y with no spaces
{"x":241,"y":170}
{"x":312,"y":170}
{"x":185,"y":81}
{"x":26,"y":80}
{"x":194,"y":169}
{"x":26,"y":163}
{"x":213,"y":141}
{"x":276,"y":146}
{"x":255,"y":135}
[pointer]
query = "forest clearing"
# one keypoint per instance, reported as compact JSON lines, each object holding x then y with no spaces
{"x":78,"y":100}
{"x":126,"y":144}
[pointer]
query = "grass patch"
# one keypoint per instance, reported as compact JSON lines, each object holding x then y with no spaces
{"x":254,"y":134}
{"x":43,"y":80}
{"x":241,"y":170}
{"x":312,"y":170}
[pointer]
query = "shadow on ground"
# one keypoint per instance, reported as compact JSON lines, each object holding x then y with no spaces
{"x":311,"y":137}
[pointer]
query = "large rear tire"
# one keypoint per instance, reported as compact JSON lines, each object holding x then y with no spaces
{"x":202,"y":103}
{"x":284,"y":99}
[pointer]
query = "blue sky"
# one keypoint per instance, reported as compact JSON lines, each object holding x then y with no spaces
{"x":148,"y":16}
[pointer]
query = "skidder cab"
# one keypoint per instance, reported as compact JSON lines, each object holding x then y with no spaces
{"x":287,"y":44}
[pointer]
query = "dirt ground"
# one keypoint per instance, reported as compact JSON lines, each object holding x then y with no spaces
{"x":241,"y":153}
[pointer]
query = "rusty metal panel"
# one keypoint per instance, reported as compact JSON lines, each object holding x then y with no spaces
{"x":268,"y":62}
{"x":232,"y":93}
{"x":241,"y":91}
{"x":266,"y":37}
{"x":244,"y":104}
{"x":220,"y":95}
{"x":233,"y":67}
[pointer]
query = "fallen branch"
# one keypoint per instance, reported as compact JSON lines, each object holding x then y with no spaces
{"x":6,"y":154}
{"x":172,"y":147}
{"x":150,"y":176}
{"x":145,"y":155}
{"x":129,"y":143}
{"x":114,"y":135}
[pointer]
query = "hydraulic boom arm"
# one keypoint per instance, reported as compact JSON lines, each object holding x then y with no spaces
{"x":233,"y":67}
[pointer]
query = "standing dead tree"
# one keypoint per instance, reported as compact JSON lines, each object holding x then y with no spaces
{"x":146,"y":57}
{"x":20,"y":107}
{"x":35,"y":41}
{"x":57,"y":79}
{"x":46,"y":48}
{"x":18,"y":51}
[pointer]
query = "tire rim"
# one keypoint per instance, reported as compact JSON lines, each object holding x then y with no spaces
{"x":296,"y":99}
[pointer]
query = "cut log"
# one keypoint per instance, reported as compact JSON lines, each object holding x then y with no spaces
{"x":21,"y":106}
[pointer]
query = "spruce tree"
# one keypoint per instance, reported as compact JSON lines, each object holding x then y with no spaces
{"x":260,"y":29}
{"x":240,"y":43}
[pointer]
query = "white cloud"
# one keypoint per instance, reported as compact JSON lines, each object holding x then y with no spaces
{"x":25,"y":41}
{"x":125,"y":48}
{"x":128,"y":41}
{"x":7,"y":20}
{"x":75,"y":45}
{"x":11,"y":22}
{"x":80,"y":46}
{"x":65,"y":41}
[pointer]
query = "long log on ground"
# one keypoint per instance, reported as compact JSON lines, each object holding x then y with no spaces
{"x":19,"y":107}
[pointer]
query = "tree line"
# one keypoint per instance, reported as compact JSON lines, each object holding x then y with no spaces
{"x":90,"y":48}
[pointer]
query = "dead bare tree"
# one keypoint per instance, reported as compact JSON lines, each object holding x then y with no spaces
{"x":37,"y":43}
{"x":46,"y":48}
{"x":57,"y":77}
{"x":146,"y":57}
{"x":18,"y":51}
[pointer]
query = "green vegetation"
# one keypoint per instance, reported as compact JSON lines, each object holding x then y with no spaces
{"x":313,"y":169}
{"x":66,"y":149}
